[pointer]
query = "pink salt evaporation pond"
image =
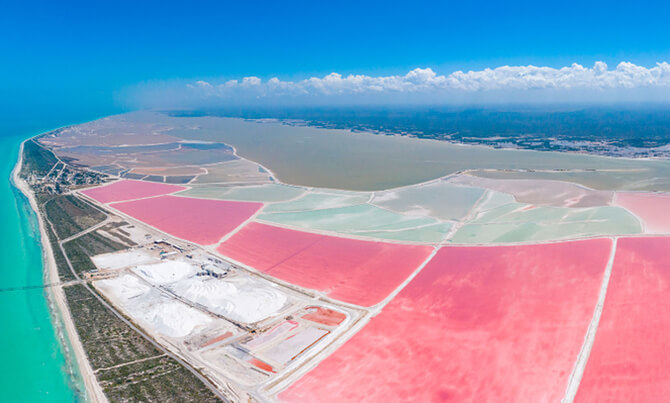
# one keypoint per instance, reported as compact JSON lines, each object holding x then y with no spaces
{"x":350,"y":270}
{"x":197,"y":220}
{"x":631,"y":355}
{"x":130,"y":190}
{"x":477,"y":324}
{"x":652,"y":208}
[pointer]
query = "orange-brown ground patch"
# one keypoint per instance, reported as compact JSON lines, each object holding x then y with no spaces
{"x":324,"y":316}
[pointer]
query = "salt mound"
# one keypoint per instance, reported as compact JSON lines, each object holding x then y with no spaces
{"x":166,"y":272}
{"x":123,"y":287}
{"x":174,"y":319}
{"x":121,"y":260}
{"x":151,"y":309}
{"x":244,"y":300}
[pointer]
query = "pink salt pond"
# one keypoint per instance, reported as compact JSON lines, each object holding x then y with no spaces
{"x":477,"y":324}
{"x":631,"y":355}
{"x":130,"y":190}
{"x":197,"y":220}
{"x":350,"y":270}
{"x":652,"y":208}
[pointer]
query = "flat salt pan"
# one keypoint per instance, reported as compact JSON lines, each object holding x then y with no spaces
{"x":123,"y":259}
{"x":294,"y":345}
{"x":272,"y":334}
{"x":165,"y":272}
{"x":243,"y":300}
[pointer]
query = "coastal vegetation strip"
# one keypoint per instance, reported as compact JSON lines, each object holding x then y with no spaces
{"x":72,"y":214}
{"x":110,"y":343}
{"x":37,"y":160}
{"x":81,"y":249}
{"x":111,"y":346}
{"x":157,"y":379}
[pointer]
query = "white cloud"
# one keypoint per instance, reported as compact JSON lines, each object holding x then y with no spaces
{"x":250,"y":82}
{"x":625,"y":75}
{"x":505,"y":83}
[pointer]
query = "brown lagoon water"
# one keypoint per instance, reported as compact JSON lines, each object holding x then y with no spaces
{"x":364,"y":161}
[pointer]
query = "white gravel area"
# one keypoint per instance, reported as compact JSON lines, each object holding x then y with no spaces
{"x":166,"y":272}
{"x":120,"y":260}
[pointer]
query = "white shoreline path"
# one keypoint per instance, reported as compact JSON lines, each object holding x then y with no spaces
{"x":93,"y":390}
{"x":590,"y":337}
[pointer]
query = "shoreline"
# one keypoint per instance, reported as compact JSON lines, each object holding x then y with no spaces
{"x":93,"y":390}
{"x":320,"y":125}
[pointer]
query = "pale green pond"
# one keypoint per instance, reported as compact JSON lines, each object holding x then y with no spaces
{"x":500,"y":219}
{"x":648,"y":176}
{"x":318,"y":201}
{"x":439,"y":199}
{"x":262,"y":193}
{"x":362,"y":219}
{"x":431,"y":233}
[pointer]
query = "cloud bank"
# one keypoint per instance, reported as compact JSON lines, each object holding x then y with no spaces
{"x":625,"y":82}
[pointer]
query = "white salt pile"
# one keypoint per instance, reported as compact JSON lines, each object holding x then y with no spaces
{"x":123,"y":287}
{"x":166,"y":272}
{"x":243,"y":299}
{"x":151,"y":309}
{"x":120,"y":260}
{"x":174,"y":319}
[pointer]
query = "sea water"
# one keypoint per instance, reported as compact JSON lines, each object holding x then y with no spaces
{"x":36,"y":362}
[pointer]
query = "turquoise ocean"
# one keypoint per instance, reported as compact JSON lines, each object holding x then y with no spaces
{"x":35,"y":361}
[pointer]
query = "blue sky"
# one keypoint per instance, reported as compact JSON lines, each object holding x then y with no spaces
{"x":78,"y":54}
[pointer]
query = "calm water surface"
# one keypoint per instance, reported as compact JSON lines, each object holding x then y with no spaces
{"x":35,"y":362}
